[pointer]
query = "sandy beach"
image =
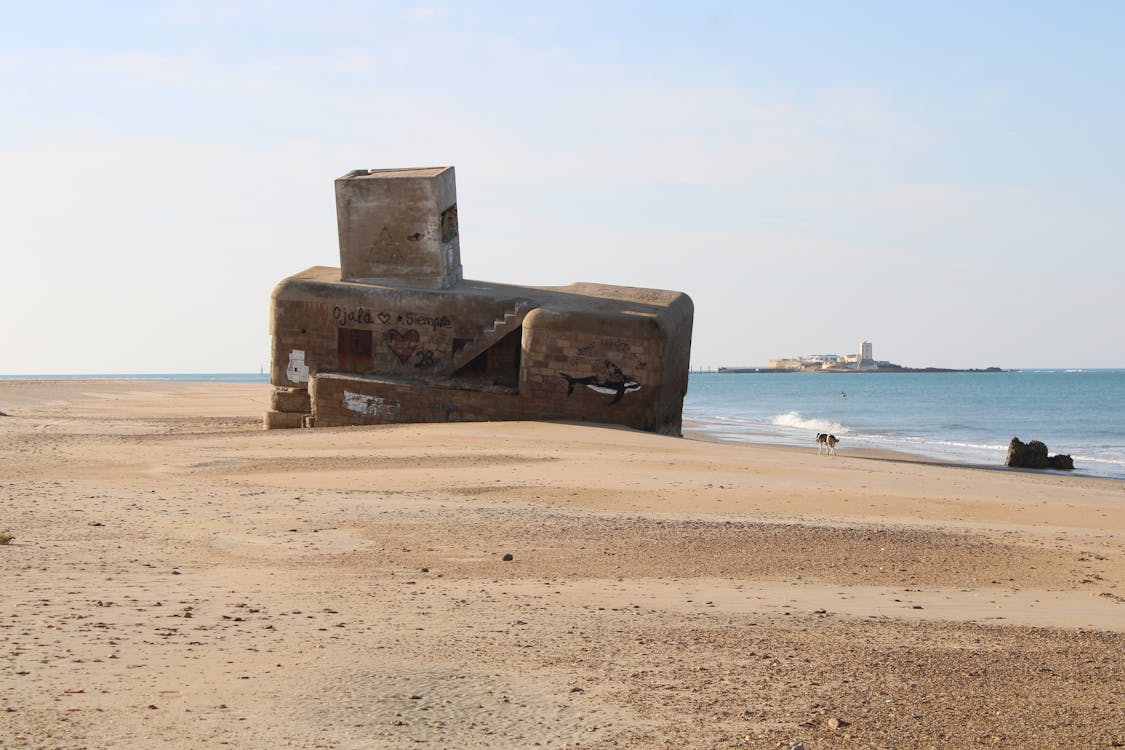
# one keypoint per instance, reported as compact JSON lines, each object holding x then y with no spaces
{"x":180,"y":578}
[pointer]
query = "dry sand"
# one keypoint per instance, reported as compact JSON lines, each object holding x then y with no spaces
{"x":179,"y":577}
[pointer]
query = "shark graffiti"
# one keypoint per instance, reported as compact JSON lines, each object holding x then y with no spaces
{"x":616,"y":383}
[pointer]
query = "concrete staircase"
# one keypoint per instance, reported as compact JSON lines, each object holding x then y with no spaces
{"x":486,"y":337}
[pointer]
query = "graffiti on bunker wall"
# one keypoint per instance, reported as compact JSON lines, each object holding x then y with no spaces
{"x":619,"y":350}
{"x":350,"y":316}
{"x":402,"y":345}
{"x":345,"y":315}
{"x":370,"y":406}
{"x":297,"y":371}
{"x":423,"y":321}
{"x":612,"y":381}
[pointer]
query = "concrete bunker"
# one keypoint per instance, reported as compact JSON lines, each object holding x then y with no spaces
{"x":396,"y":334}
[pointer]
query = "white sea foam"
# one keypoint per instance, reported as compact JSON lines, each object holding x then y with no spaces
{"x":971,"y":446}
{"x":1117,"y":465}
{"x":796,"y":421}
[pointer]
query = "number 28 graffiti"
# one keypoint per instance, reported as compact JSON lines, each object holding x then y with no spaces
{"x":405,"y":345}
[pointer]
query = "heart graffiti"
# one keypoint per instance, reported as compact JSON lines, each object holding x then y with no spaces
{"x":384,"y":318}
{"x":402,"y":344}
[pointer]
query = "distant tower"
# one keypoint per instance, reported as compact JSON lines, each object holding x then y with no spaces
{"x":865,"y":356}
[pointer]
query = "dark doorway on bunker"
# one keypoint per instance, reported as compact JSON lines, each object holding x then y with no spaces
{"x":354,"y":350}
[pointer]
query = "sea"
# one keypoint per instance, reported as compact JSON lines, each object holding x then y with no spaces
{"x":962,"y":417}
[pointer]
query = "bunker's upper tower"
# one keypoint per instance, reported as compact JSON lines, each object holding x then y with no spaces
{"x":398,"y":227}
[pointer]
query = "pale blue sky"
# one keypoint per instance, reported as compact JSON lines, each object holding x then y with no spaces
{"x":942,"y":179}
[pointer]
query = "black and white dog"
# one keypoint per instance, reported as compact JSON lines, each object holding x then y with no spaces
{"x":823,"y":441}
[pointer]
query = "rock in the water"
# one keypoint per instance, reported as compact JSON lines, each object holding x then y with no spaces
{"x":1033,"y":455}
{"x":1023,"y":455}
{"x":1061,"y":461}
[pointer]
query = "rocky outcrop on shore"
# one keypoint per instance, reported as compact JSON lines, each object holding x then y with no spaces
{"x":1033,"y":455}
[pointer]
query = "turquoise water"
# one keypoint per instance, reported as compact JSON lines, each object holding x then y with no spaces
{"x":966,"y":417}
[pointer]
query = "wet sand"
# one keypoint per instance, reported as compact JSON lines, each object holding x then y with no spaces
{"x":179,"y":577}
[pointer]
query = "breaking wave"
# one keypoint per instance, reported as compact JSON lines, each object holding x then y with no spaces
{"x":796,"y":421}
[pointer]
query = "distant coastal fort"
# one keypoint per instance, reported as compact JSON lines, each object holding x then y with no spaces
{"x":862,"y":361}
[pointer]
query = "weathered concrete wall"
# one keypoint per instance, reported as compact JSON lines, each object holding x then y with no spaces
{"x":399,"y":227}
{"x":590,"y":366}
{"x":291,"y":400}
{"x":585,"y":352}
{"x":676,"y":326}
{"x":330,"y":325}
{"x":303,"y":338}
{"x":339,"y":400}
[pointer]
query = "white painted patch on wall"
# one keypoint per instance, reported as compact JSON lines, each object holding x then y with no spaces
{"x":370,"y":406}
{"x":297,"y":371}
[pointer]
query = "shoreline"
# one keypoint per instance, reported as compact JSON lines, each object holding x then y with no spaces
{"x":955,"y":417}
{"x":692,"y":429}
{"x":696,"y":430}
